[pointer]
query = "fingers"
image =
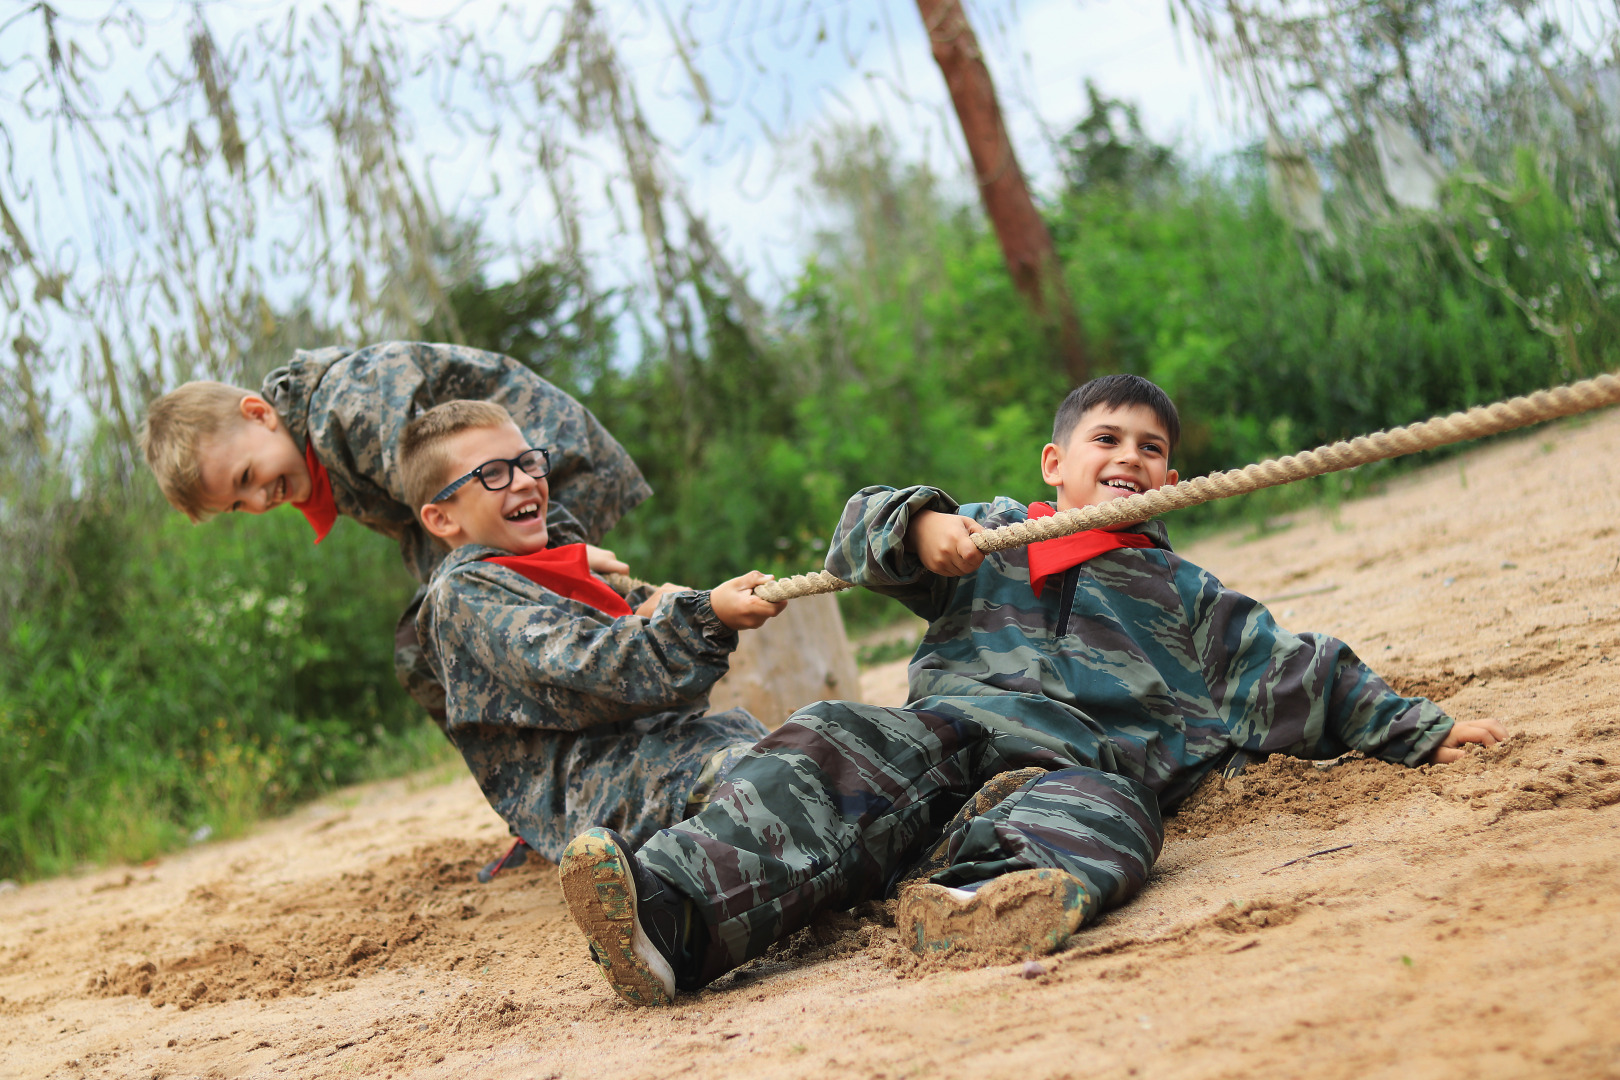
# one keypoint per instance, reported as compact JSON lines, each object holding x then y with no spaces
{"x":951,"y":551}
{"x":604,"y":561}
{"x":736,"y":605}
{"x":968,"y":555}
{"x":1485,"y":732}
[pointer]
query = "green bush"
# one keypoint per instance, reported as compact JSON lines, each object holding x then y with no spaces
{"x":905,"y":356}
{"x":178,"y":676}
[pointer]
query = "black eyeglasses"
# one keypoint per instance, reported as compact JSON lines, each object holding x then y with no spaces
{"x":497,"y":475}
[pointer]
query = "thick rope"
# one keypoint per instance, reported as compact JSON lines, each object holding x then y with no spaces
{"x":1476,"y":423}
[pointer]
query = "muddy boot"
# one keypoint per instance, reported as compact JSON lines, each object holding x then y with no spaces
{"x":1027,"y":911}
{"x":639,"y":928}
{"x":995,"y":789}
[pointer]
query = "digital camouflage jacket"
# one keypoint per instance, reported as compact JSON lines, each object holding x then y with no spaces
{"x":571,"y":718}
{"x":353,"y":404}
{"x":1137,"y":662}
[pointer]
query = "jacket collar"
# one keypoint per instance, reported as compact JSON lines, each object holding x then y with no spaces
{"x":290,"y":387}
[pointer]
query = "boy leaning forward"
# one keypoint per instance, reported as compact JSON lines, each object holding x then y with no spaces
{"x":1064,"y":696}
{"x":323,"y":435}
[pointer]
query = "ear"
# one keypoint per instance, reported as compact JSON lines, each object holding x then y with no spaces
{"x":259,"y":411}
{"x":437,"y":520}
{"x":1051,"y":462}
{"x":1171,"y":477}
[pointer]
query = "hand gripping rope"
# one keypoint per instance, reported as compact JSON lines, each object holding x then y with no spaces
{"x":1476,"y":423}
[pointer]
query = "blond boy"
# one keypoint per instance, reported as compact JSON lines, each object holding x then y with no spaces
{"x":572,"y":705}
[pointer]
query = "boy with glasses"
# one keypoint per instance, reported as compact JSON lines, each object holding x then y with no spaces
{"x":572,"y":705}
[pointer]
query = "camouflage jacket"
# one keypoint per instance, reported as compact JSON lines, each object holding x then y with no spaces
{"x":352,"y":405}
{"x":1138,"y":662}
{"x":567,"y":716}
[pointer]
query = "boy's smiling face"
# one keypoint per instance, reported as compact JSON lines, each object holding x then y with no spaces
{"x":252,"y":465}
{"x":1112,"y":453}
{"x":512,"y":519}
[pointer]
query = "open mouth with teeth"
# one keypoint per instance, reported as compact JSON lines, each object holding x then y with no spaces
{"x":1129,"y":487}
{"x":529,"y":511}
{"x":279,"y":495}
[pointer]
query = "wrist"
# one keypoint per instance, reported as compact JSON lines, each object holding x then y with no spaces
{"x":708,"y":620}
{"x":919,"y":521}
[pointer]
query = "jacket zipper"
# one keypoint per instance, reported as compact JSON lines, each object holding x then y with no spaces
{"x":1071,"y":579}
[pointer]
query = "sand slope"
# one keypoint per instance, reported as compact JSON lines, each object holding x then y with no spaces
{"x":1467,"y":925}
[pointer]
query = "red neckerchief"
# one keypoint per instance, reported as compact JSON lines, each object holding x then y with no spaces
{"x":1050,"y":557}
{"x":565,"y":571}
{"x":319,"y":508}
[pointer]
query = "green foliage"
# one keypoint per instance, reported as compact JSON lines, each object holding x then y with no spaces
{"x":903,"y":354}
{"x":162,"y":677}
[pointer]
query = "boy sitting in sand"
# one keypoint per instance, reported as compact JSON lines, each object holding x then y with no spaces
{"x":323,"y":435}
{"x":571,"y":709}
{"x":1064,"y":695}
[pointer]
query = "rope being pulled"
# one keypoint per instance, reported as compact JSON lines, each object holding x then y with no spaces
{"x":1441,"y":431}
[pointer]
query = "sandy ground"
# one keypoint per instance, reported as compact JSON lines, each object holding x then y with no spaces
{"x":1458,"y":921}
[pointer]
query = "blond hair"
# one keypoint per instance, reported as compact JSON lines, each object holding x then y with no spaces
{"x":424,"y":459}
{"x":173,"y":433}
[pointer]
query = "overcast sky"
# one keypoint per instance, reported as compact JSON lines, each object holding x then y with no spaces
{"x":1040,"y":52}
{"x":779,"y":72}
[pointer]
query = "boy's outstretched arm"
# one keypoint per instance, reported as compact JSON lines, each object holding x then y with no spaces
{"x":519,"y":663}
{"x":1308,"y":695}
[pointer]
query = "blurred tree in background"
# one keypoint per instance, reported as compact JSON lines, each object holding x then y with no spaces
{"x":1429,"y":224}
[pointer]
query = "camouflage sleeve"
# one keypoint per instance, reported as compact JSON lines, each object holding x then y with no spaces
{"x":869,"y":547}
{"x":510,"y":661}
{"x":1302,"y":694}
{"x":638,"y":593}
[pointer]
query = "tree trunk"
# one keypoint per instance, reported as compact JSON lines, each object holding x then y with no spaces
{"x":1025,"y":242}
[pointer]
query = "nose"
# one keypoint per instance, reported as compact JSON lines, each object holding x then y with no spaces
{"x":523,"y":482}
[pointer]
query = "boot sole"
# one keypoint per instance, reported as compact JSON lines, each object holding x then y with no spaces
{"x":600,"y":889}
{"x":1031,"y":911}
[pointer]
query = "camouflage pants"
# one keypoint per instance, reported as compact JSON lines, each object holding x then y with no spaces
{"x":634,"y":777}
{"x":831,"y":808}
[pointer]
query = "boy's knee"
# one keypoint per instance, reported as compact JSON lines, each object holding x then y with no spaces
{"x":1104,"y":802}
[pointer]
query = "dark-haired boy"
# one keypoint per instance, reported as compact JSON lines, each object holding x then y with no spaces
{"x":1063,"y":696}
{"x":572,"y":705}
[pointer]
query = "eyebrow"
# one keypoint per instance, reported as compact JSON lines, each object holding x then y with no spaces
{"x":1116,"y":429}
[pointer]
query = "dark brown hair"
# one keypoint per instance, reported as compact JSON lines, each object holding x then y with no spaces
{"x":1116,"y":392}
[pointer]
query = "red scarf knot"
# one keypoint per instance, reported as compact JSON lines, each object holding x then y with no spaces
{"x":1048,"y":558}
{"x":319,"y":509}
{"x":566,"y":571}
